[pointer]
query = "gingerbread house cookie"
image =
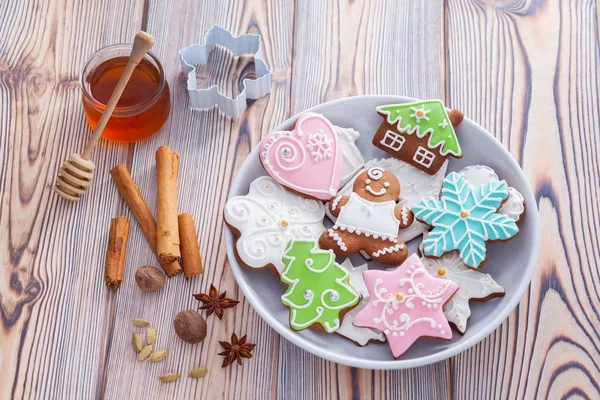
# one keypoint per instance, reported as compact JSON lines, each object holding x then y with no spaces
{"x":420,"y":133}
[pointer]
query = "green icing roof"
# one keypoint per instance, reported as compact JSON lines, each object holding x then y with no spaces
{"x":425,"y":117}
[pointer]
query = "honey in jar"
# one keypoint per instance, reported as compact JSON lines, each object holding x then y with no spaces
{"x":144,"y":105}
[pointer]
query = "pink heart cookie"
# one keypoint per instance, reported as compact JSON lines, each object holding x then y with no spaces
{"x":307,"y":159}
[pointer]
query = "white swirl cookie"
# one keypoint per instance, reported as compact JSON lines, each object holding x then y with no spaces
{"x":267,"y":218}
{"x":359,"y":335}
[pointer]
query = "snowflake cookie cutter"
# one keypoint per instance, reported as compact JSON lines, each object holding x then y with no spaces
{"x":253,"y":89}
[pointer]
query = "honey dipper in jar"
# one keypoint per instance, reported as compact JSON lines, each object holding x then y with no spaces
{"x":75,"y":175}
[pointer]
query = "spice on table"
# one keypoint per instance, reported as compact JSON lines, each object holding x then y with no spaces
{"x":136,"y":342}
{"x":167,"y":166}
{"x":190,"y":326}
{"x":236,"y":350}
{"x":115,"y":252}
{"x":158,"y":355}
{"x":190,"y":251}
{"x":150,"y":335}
{"x":144,"y":353}
{"x":169,"y":377}
{"x":199,"y":372}
{"x":149,"y":279}
{"x":136,"y":203}
{"x":212,"y":302}
{"x":142,"y":323}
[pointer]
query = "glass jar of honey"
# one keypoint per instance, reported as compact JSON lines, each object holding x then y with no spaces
{"x":145,"y":104}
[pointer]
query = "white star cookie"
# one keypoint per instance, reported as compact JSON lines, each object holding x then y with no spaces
{"x":473,"y":285}
{"x":267,"y":218}
{"x":360,"y":336}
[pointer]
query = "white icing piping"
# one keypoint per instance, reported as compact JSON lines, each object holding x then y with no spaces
{"x":404,"y":213}
{"x":335,"y":202}
{"x":375,"y":235}
{"x":380,"y":192}
{"x":375,"y":173}
{"x":338,"y":240}
{"x":387,"y":250}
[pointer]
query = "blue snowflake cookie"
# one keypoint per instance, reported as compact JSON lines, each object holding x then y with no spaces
{"x":465,"y":218}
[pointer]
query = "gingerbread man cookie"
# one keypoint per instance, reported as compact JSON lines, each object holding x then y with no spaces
{"x":369,"y":219}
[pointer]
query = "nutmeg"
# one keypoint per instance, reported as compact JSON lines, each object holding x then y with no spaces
{"x":190,"y":326}
{"x":149,"y":279}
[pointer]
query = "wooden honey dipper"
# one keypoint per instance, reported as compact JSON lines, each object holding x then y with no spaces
{"x":75,"y":175}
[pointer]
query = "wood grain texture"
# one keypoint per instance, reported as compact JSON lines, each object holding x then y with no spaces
{"x":211,"y":146}
{"x":526,"y":70}
{"x":55,"y":324}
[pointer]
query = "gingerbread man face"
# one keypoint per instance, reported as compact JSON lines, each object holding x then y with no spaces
{"x":377,"y":185}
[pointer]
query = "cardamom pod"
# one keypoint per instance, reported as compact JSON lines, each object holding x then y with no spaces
{"x":169,"y":377}
{"x":140,"y":322}
{"x":136,"y":342}
{"x":198,"y":372}
{"x":150,"y":335}
{"x":144,"y":353}
{"x":158,"y":355}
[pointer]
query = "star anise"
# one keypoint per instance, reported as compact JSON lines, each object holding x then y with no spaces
{"x":236,"y":350}
{"x":215,"y":303}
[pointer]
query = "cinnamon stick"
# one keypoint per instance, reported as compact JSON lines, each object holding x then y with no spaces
{"x":115,"y":252}
{"x":190,"y":251}
{"x":132,"y":196}
{"x":167,"y":166}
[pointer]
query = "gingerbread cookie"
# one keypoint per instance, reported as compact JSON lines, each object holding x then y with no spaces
{"x":267,"y":218}
{"x":369,"y":219}
{"x":406,"y":304}
{"x":318,"y":287}
{"x":353,"y":158}
{"x":360,"y":336}
{"x":465,"y":218}
{"x":416,"y":186}
{"x":420,"y":133}
{"x":307,"y":160}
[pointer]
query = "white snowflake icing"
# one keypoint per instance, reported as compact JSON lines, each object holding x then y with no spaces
{"x":420,"y":113}
{"x":319,"y":146}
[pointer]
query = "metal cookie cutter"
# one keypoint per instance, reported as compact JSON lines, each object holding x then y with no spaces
{"x":253,"y":89}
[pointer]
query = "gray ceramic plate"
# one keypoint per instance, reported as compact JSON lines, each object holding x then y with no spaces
{"x":511,"y":263}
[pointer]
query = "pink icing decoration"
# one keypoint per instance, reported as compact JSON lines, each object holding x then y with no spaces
{"x":406,"y":303}
{"x":307,"y":159}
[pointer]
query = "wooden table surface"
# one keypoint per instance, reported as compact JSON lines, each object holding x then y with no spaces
{"x":526,"y":70}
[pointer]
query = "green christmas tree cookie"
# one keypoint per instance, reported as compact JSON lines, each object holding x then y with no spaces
{"x":318,"y":287}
